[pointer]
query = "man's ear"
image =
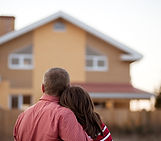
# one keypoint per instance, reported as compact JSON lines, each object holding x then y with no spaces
{"x":42,"y":88}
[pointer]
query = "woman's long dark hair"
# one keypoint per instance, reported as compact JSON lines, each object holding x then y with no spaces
{"x":79,"y":101}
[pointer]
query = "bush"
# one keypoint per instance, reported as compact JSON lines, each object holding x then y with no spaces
{"x":158,"y":100}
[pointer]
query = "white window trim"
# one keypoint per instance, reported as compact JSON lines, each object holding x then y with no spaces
{"x":95,"y":60}
{"x":21,"y":58}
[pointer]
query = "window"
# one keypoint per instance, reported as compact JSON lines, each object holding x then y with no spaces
{"x":19,"y":101}
{"x":59,"y":26}
{"x":99,"y":104}
{"x":21,"y":59}
{"x":95,"y":61}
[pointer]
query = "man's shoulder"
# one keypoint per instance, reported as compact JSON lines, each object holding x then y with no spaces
{"x":60,"y":111}
{"x":52,"y":108}
{"x":57,"y":107}
{"x":64,"y":111}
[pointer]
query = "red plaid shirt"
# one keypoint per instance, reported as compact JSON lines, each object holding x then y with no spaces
{"x":48,"y":121}
{"x":106,"y":134}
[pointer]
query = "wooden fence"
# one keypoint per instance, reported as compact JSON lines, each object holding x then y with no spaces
{"x":116,"y":119}
{"x":141,"y":121}
{"x":7,"y":121}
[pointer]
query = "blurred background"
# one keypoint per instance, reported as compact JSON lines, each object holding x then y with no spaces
{"x":116,"y":45}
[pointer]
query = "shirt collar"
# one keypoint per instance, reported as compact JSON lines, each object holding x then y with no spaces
{"x":47,"y":97}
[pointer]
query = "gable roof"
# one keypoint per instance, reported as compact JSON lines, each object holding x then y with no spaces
{"x":131,"y":55}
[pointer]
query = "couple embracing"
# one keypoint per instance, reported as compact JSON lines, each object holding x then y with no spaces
{"x":63,"y":113}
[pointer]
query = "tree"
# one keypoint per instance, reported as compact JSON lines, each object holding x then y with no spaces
{"x":158,"y":100}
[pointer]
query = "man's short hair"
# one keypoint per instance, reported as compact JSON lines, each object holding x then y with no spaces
{"x":56,"y":80}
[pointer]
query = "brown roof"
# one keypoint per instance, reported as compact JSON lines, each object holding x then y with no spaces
{"x":110,"y":88}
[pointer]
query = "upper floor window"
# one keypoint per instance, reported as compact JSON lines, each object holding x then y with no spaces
{"x":21,"y":59}
{"x":59,"y":26}
{"x":95,"y":61}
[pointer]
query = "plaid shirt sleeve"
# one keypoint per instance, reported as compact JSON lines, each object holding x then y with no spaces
{"x":16,"y":126}
{"x":70,"y":129}
{"x":106,"y":134}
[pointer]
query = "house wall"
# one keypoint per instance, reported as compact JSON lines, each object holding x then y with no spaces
{"x":111,"y":104}
{"x":118,"y":71}
{"x":17,"y":78}
{"x":4,"y":91}
{"x":121,"y":104}
{"x":58,"y":49}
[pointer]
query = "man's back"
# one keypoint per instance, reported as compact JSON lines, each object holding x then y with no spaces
{"x":48,"y":121}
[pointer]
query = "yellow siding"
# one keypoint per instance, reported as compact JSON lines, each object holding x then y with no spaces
{"x":58,"y":49}
{"x":118,"y":71}
{"x":4,"y":91}
{"x":16,"y":78}
{"x":23,"y":91}
{"x":14,"y":81}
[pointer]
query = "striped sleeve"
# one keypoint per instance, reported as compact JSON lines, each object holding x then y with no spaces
{"x":106,"y":134}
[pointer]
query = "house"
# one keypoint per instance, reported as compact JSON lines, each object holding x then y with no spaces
{"x":95,"y":61}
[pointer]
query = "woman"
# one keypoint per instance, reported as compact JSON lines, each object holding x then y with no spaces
{"x":79,"y":101}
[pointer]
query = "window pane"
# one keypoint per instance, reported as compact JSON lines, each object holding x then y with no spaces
{"x":14,"y":102}
{"x":27,"y":61}
{"x":15,"y":61}
{"x":99,"y":104}
{"x":59,"y":26}
{"x":20,"y":61}
{"x":27,"y":99}
{"x":101,"y":63}
{"x":89,"y":63}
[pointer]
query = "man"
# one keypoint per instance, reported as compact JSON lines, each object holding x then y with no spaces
{"x":47,"y":120}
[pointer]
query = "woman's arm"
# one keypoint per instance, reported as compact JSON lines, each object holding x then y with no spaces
{"x":106,"y":134}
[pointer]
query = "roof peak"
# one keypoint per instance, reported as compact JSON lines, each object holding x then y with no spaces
{"x":130,"y":56}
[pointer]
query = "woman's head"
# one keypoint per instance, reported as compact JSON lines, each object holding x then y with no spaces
{"x":79,"y":101}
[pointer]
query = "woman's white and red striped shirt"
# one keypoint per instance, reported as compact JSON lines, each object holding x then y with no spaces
{"x":106,"y":134}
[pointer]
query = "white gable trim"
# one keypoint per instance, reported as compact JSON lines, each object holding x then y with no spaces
{"x":122,"y":95}
{"x":131,"y":56}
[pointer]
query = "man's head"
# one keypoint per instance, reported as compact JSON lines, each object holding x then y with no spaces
{"x":55,"y":81}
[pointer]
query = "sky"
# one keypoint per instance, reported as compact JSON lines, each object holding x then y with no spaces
{"x":135,"y":23}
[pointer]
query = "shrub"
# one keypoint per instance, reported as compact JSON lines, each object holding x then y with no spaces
{"x":158,"y":100}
